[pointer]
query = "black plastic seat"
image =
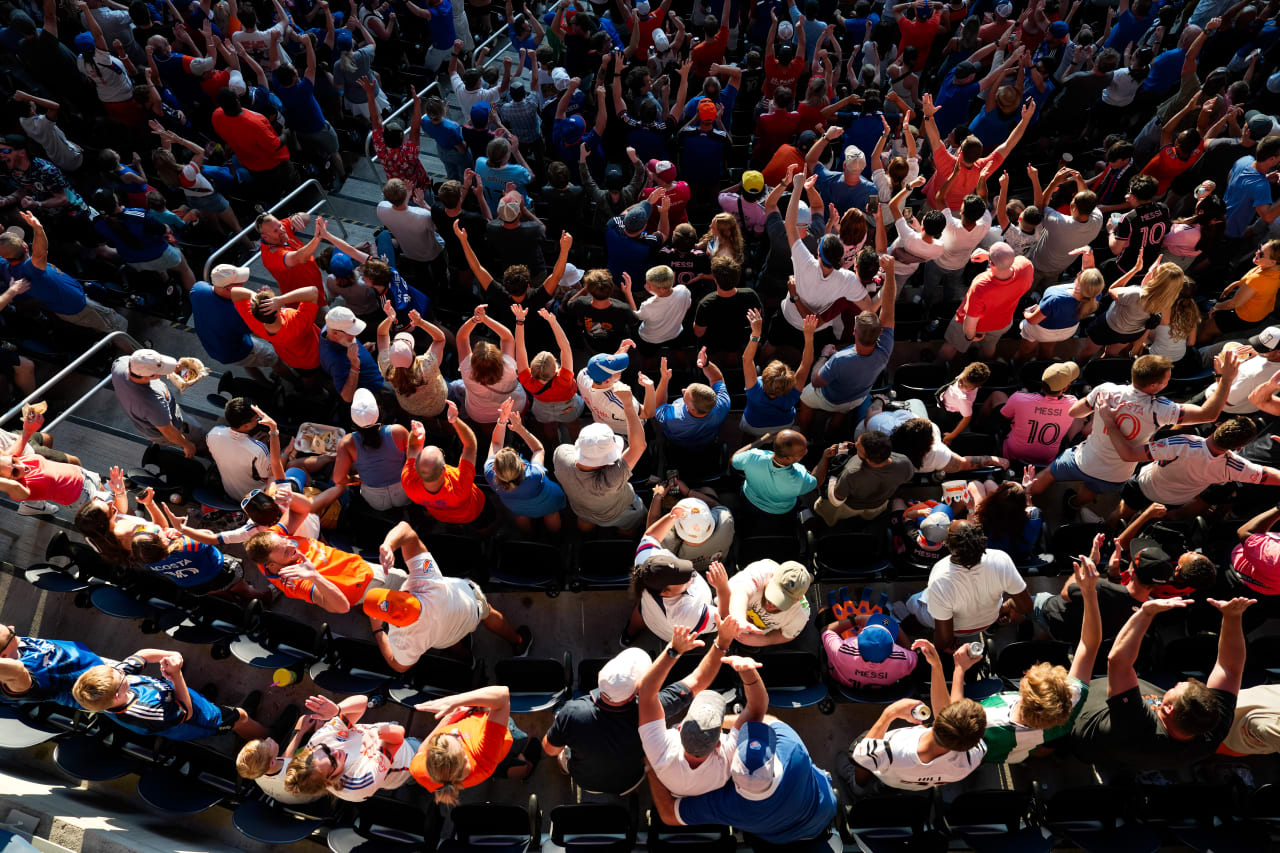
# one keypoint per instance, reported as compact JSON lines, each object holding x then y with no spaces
{"x":459,"y":556}
{"x":995,"y":821}
{"x":603,"y":827}
{"x":53,"y":578}
{"x":1071,"y":540}
{"x":1097,"y":819}
{"x":92,"y":759}
{"x":212,"y":619}
{"x":589,"y":675}
{"x":351,"y":666}
{"x":778,"y":548}
{"x":432,"y":677}
{"x":1016,"y":658}
{"x":268,"y":823}
{"x":536,"y":684}
{"x":853,"y":556}
{"x":603,"y":564}
{"x":503,"y":826}
{"x":198,"y":780}
{"x":975,"y":444}
{"x":18,"y":730}
{"x":527,"y":564}
{"x":892,"y":822}
{"x":901,"y":689}
{"x":1186,"y":657}
{"x":704,"y":838}
{"x":1100,"y":370}
{"x":793,"y":678}
{"x":920,"y":379}
{"x":117,"y":603}
{"x":381,"y":826}
{"x":275,"y":640}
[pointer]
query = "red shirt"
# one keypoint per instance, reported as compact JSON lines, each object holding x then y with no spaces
{"x":993,"y":300}
{"x":560,"y":389}
{"x":775,"y":129}
{"x":920,"y":34}
{"x":252,"y":138}
{"x":810,"y":118}
{"x":47,"y":480}
{"x":707,"y":52}
{"x":1167,"y":165}
{"x":459,"y":499}
{"x":775,"y":172}
{"x":214,"y":82}
{"x":652,"y":22}
{"x":965,"y":183}
{"x":298,"y":341}
{"x":403,"y":162}
{"x":305,"y":274}
{"x":776,"y":74}
{"x":680,"y":194}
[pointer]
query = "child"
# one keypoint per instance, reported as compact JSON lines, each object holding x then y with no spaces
{"x":1248,"y":301}
{"x":772,"y":398}
{"x":522,"y":485}
{"x":693,"y":422}
{"x":122,"y":179}
{"x":550,"y":385}
{"x":155,"y":706}
{"x":876,"y":655}
{"x":447,"y":134}
{"x":958,"y":395}
{"x":921,"y":530}
{"x":662,"y":314}
{"x":691,"y":263}
{"x":596,"y":381}
{"x":197,"y":568}
{"x":604,"y":321}
{"x":265,"y":763}
{"x":1059,"y":312}
{"x":1026,"y":234}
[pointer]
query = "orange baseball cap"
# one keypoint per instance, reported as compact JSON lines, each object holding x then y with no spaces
{"x":392,"y":606}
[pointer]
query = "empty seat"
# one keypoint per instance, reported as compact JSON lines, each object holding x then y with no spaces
{"x":1100,"y":370}
{"x":1097,"y":819}
{"x":996,"y":820}
{"x":854,"y":556}
{"x":196,"y":781}
{"x":605,"y":828}
{"x":504,"y":826}
{"x":212,"y":619}
{"x":975,"y":444}
{"x":536,"y":684}
{"x":894,"y":822}
{"x":920,"y":379}
{"x":1186,"y":657}
{"x":589,"y":675}
{"x":793,"y":678}
{"x":91,"y":758}
{"x":603,"y":564}
{"x":459,"y":556}
{"x":432,"y":677}
{"x":275,"y":640}
{"x":351,"y":666}
{"x":1071,"y":540}
{"x":387,"y":826}
{"x":53,"y":578}
{"x":779,"y":548}
{"x":19,"y":731}
{"x":266,"y":822}
{"x":527,"y":564}
{"x":706,"y":838}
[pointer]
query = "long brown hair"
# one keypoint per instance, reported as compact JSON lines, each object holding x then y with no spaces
{"x":1003,"y":513}
{"x":94,"y":521}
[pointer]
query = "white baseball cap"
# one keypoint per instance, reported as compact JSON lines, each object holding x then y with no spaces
{"x":697,"y":525}
{"x":597,"y":445}
{"x":560,"y":78}
{"x":402,"y":353}
{"x":343,"y":319}
{"x":235,"y":82}
{"x":364,"y":408}
{"x":225,"y":275}
{"x":148,"y":362}
{"x":660,"y":41}
{"x":786,"y":31}
{"x":201,"y":65}
{"x":643,"y":7}
{"x":620,"y":677}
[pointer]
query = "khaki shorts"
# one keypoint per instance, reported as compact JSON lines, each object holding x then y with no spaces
{"x":814,"y":399}
{"x":262,"y":355}
{"x":97,"y":317}
{"x":563,"y":412}
{"x":1039,"y":334}
{"x":955,"y":336}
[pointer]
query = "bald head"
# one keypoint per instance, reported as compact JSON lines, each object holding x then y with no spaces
{"x":789,"y":445}
{"x":430,"y":464}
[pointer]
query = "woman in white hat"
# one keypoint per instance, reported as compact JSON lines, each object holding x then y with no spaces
{"x":376,"y":451}
{"x":420,"y":388}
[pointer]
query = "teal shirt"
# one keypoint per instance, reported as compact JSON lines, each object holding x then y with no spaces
{"x":770,"y":488}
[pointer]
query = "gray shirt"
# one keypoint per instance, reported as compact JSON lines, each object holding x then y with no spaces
{"x":863,"y":486}
{"x":1126,"y":314}
{"x":1062,"y":233}
{"x":413,"y":229}
{"x":149,"y":406}
{"x":716,"y":546}
{"x":600,"y":496}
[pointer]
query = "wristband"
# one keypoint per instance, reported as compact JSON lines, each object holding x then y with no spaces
{"x":672,"y":653}
{"x":722,"y":651}
{"x":519,"y":322}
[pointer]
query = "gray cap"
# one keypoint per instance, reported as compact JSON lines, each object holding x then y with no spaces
{"x":700,"y":731}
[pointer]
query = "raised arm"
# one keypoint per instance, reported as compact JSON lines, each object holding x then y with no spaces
{"x":1229,"y":669}
{"x":1086,"y":577}
{"x":1121,"y":675}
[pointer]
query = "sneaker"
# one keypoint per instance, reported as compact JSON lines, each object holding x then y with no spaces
{"x":625,"y":640}
{"x":37,"y":508}
{"x":526,"y":641}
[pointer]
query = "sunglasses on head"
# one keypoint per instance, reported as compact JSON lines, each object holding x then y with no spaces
{"x":244,"y":504}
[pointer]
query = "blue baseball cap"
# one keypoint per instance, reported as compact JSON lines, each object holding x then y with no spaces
{"x":756,"y":769}
{"x":84,"y":43}
{"x":874,"y":643}
{"x":1059,"y":29}
{"x":480,"y":112}
{"x":342,"y":41}
{"x":605,"y":366}
{"x":575,"y":128}
{"x":341,"y":265}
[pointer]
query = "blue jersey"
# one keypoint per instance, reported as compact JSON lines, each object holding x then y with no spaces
{"x":54,"y":666}
{"x":152,"y":706}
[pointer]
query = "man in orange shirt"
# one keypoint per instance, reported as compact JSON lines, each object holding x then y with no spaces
{"x":290,"y":261}
{"x":292,"y":332}
{"x":449,"y":494}
{"x":310,"y":570}
{"x":256,"y":145}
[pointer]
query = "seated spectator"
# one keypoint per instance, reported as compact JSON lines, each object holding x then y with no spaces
{"x":348,"y":759}
{"x":1249,"y":300}
{"x":244,"y":463}
{"x":920,"y":439}
{"x":670,"y":591}
{"x":1255,"y":562}
{"x":1038,"y":420}
{"x":864,"y":485}
{"x":1060,"y":311}
{"x":595,"y":472}
{"x":310,"y":570}
{"x":430,"y":611}
{"x":550,"y":384}
{"x":596,"y":739}
{"x":149,"y":403}
{"x":1011,"y":522}
{"x":1254,"y":729}
{"x":662,"y":314}
{"x":914,"y":757}
{"x":1149,"y":543}
{"x":376,"y":452}
{"x":162,"y":706}
{"x":1133,"y":308}
{"x":920,"y":530}
{"x":776,"y":479}
{"x":704,"y":533}
{"x":1182,"y":724}
{"x":523,"y":487}
{"x":693,"y":422}
{"x":449,"y":493}
{"x":694,"y":757}
{"x":488,"y":371}
{"x":868,"y":650}
{"x":291,"y":332}
{"x":197,"y":568}
{"x":38,"y":670}
{"x":966,"y":590}
{"x":475,"y":740}
{"x":772,"y":396}
{"x":769,"y":601}
{"x":40,"y":485}
{"x":957,"y":396}
{"x":420,"y":247}
{"x":717,"y":321}
{"x":267,"y":764}
{"x":349,"y":365}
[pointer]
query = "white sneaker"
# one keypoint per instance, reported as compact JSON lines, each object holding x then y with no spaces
{"x":37,"y":508}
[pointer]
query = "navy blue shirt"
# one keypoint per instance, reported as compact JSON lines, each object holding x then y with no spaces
{"x":299,"y":105}
{"x":702,"y":155}
{"x":333,"y":358}
{"x":953,"y":103}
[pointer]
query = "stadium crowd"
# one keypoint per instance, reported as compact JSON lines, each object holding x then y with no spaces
{"x":657,"y":279}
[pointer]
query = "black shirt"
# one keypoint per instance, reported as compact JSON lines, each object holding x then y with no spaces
{"x":725,"y":319}
{"x":1115,"y":606}
{"x":472,"y":222}
{"x":602,"y":328}
{"x":537,"y":334}
{"x":1145,"y":227}
{"x":686,"y":265}
{"x":1126,"y":729}
{"x":510,"y":246}
{"x":605,"y":755}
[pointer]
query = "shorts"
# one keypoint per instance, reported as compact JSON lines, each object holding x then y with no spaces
{"x":89,"y":489}
{"x":1101,"y":333}
{"x":1229,"y":322}
{"x":206,"y":720}
{"x":321,"y":142}
{"x":214,"y":202}
{"x":955,"y":336}
{"x":383,"y":498}
{"x":1038,"y":333}
{"x":168,"y":259}
{"x":232,"y":573}
{"x":757,"y":432}
{"x":814,"y":399}
{"x":483,"y":609}
{"x":262,"y":355}
{"x":100,"y":318}
{"x":1065,"y":468}
{"x":1038,"y":619}
{"x":629,"y":518}
{"x":559,"y":412}
{"x":519,"y":743}
{"x":36,"y":446}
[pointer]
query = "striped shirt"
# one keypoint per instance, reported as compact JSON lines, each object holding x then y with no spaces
{"x":152,"y":707}
{"x":693,"y":607}
{"x":1184,"y":466}
{"x":1008,"y":742}
{"x":895,"y":760}
{"x":368,"y":767}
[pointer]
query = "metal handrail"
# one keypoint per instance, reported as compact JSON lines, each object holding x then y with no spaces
{"x":435,"y":84}
{"x":39,"y":393}
{"x":310,"y":183}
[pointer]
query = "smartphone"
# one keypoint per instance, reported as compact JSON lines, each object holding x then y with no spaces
{"x":873,"y":203}
{"x":906,"y":214}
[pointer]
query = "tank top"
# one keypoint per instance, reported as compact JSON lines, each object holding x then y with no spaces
{"x":49,"y":480}
{"x":380,"y":467}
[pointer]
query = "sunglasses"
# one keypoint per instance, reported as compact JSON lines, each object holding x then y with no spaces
{"x":13,"y":635}
{"x":6,"y":150}
{"x":244,"y":504}
{"x":328,"y":753}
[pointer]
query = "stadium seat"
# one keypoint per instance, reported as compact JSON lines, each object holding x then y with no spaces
{"x":19,"y":731}
{"x":1070,"y":540}
{"x":382,"y":825}
{"x":497,"y":826}
{"x":1095,"y":818}
{"x":794,"y":678}
{"x":536,"y":684}
{"x":54,"y":578}
{"x":1099,"y":370}
{"x":266,"y":822}
{"x":196,"y":780}
{"x":1185,"y":657}
{"x":995,"y":821}
{"x":706,"y":838}
{"x":92,"y":758}
{"x":1192,"y":815}
{"x":212,"y":619}
{"x":853,"y":556}
{"x":528,"y":564}
{"x":889,"y":694}
{"x":778,"y":548}
{"x":1016,"y":658}
{"x":600,"y":827}
{"x":459,"y":556}
{"x":432,"y":677}
{"x":893,"y":823}
{"x":275,"y":640}
{"x":589,"y":675}
{"x":603,"y":564}
{"x":920,"y":379}
{"x":350,"y":666}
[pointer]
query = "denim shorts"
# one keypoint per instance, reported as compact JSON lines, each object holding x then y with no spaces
{"x":1065,"y":468}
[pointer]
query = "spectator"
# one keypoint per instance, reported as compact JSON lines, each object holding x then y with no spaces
{"x":960,"y":238}
{"x":772,"y":396}
{"x":605,"y":321}
{"x":243,"y":462}
{"x":1039,"y":420}
{"x":1255,"y":563}
{"x":474,"y":740}
{"x":291,"y":332}
{"x":595,"y":472}
{"x":290,"y":261}
{"x":868,"y":651}
{"x":774,"y":480}
{"x":488,"y":372}
{"x":222,"y":331}
{"x":348,"y":759}
{"x":1248,"y":301}
{"x":551,"y":384}
{"x":310,"y":570}
{"x":40,"y":485}
{"x":598,"y":384}
{"x":670,"y":593}
{"x":523,"y":486}
{"x":419,"y":386}
{"x":147,"y":400}
{"x":430,"y":611}
{"x":1060,"y":311}
{"x":863,"y":486}
{"x":349,"y":365}
{"x":412,"y":227}
{"x":38,"y":670}
{"x":256,"y":145}
{"x":1063,"y":234}
{"x":376,"y":452}
{"x":266,"y":763}
{"x":449,"y":493}
{"x":703,"y":532}
{"x":770,"y":601}
{"x":1248,"y":194}
{"x":693,"y":422}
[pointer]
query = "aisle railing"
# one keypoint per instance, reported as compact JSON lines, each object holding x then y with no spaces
{"x":41,"y":392}
{"x":311,"y":184}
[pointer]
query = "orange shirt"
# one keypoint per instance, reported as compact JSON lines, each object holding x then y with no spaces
{"x":459,"y":499}
{"x":305,"y":274}
{"x":298,"y":341}
{"x":348,"y":572}
{"x":485,"y":743}
{"x":252,"y":138}
{"x":1264,"y":284}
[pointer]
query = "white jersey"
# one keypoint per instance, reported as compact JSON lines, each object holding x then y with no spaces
{"x":694,"y":608}
{"x":816,"y":290}
{"x":1138,"y":416}
{"x":605,"y":405}
{"x":665,"y":754}
{"x":895,"y":760}
{"x":451,"y":609}
{"x":368,"y":768}
{"x":1252,"y":373}
{"x":1183,"y":467}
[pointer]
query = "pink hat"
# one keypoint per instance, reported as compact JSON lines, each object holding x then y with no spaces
{"x":664,"y":169}
{"x":402,"y":354}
